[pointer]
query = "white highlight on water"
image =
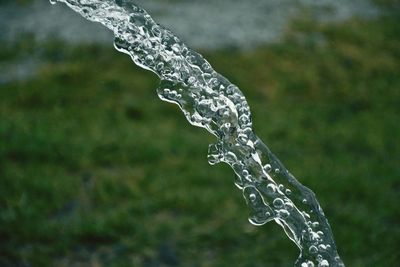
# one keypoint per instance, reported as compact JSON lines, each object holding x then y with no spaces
{"x":210,"y":101}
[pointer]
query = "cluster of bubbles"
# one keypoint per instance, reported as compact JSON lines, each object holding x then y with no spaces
{"x":210,"y":101}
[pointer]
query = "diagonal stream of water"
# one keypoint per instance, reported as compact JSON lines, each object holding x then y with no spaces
{"x":210,"y":101}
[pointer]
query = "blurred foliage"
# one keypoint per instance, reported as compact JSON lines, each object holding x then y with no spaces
{"x":388,"y":3}
{"x":96,"y":171}
{"x":17,"y":2}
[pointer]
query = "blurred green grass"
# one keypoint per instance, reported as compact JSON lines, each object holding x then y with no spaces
{"x":96,"y":171}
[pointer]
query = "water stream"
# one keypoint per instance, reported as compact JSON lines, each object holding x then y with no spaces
{"x":210,"y":101}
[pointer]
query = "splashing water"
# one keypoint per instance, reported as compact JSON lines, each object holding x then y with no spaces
{"x":210,"y":101}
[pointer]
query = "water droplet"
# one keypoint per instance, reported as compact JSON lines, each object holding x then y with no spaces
{"x":191,"y":59}
{"x":191,"y":80}
{"x":314,"y":236}
{"x":278,"y":203}
{"x":288,"y":206}
{"x":242,"y":138}
{"x":313,"y":249}
{"x":176,"y":48}
{"x":149,"y":60}
{"x":206,"y":66}
{"x":288,"y":192}
{"x":281,"y":187}
{"x":156,"y":31}
{"x":307,"y":264}
{"x":160,"y":66}
{"x":283,"y":213}
{"x":238,"y":182}
{"x":253,"y":197}
{"x":249,"y":178}
{"x":230,"y":157}
{"x":304,"y":201}
{"x":271,"y":188}
{"x":231,"y":88}
{"x":323,"y":263}
{"x":244,"y":119}
{"x":267,"y":167}
{"x":53,"y":2}
{"x":277,"y":170}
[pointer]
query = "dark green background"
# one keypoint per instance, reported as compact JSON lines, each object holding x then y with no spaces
{"x":96,"y":171}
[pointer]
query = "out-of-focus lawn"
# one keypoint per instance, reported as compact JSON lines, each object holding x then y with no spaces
{"x":96,"y":171}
